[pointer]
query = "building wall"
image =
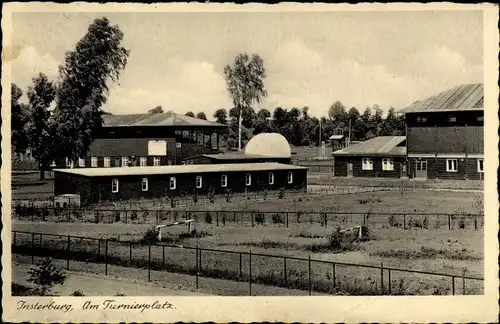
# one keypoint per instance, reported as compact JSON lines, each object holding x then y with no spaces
{"x":341,"y":167}
{"x":207,"y":160}
{"x":436,"y":169}
{"x":445,"y":139}
{"x":99,"y":188}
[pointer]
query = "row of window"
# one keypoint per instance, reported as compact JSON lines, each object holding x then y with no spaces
{"x":452,"y":165}
{"x":388,"y":165}
{"x":143,"y":161}
{"x":199,"y":182}
{"x":450,"y":119}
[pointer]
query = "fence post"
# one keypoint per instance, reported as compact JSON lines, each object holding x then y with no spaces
{"x":382,"y":278}
{"x":99,"y":247}
{"x":286,"y":219}
{"x":453,"y":285}
{"x":463,"y":282}
{"x":106,"y":258}
{"x":69,"y":252}
{"x":250,"y":272}
{"x":309,"y":272}
{"x":333,"y":275}
{"x":284,"y":270}
{"x":197,"y":266}
{"x":163,"y":257}
{"x":15,"y":238}
{"x":157,"y":217}
{"x":96,"y":216}
{"x":149,"y":262}
{"x":404,"y":221}
{"x":201,"y":268}
{"x":32,"y":248}
{"x":241,"y":263}
{"x":326,"y":220}
{"x":390,"y":290}
{"x":449,"y":222}
{"x":130,"y":252}
{"x":251,"y":216}
{"x":217,"y":218}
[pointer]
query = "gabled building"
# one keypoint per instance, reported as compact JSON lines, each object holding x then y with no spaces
{"x":151,"y":140}
{"x":383,"y":156}
{"x":445,"y":134}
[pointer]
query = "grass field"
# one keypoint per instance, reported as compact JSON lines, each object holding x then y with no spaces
{"x":417,"y":249}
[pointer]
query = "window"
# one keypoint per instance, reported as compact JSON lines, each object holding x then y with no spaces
{"x":144,"y":184}
{"x":69,"y":163}
{"x":452,"y":119}
{"x":271,"y":178}
{"x":81,"y":163}
{"x":124,"y":161}
{"x":387,"y":165}
{"x":173,"y":183}
{"x":480,"y":166}
{"x":107,"y":162}
{"x":169,"y":162}
{"x":480,"y":118}
{"x":143,"y":161}
{"x":93,"y":162}
{"x":248,"y":179}
{"x":451,"y":165}
{"x":199,"y":182}
{"x":223,"y":181}
{"x":183,"y":162}
{"x":156,"y":161}
{"x":290,"y":177}
{"x":421,"y":119}
{"x":367,"y":164}
{"x":178,"y":145}
{"x":114,"y":185}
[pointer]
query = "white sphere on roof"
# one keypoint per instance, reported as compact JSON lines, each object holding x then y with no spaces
{"x":269,"y":144}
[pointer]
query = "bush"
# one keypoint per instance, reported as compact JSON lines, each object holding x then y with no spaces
{"x":150,"y":237}
{"x":461,"y":223}
{"x":277,"y":218}
{"x":208,"y":217}
{"x":281,"y":193}
{"x":77,"y":293}
{"x":299,"y":213}
{"x":45,"y":275}
{"x":260,"y":218}
{"x":133,"y":215}
{"x":335,"y":239}
{"x":393,"y":221}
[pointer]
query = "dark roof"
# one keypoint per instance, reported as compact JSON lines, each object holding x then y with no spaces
{"x":236,"y":156}
{"x":164,"y":119}
{"x":460,"y":98}
{"x":180,"y":169}
{"x":382,"y":145}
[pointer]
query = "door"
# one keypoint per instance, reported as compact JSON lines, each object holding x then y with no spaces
{"x":421,"y":170}
{"x":349,"y":169}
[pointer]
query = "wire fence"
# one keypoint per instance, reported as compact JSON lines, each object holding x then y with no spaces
{"x":253,"y":218}
{"x":307,"y":274}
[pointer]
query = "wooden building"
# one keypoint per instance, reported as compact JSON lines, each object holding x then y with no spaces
{"x":151,"y":140}
{"x":383,"y":156}
{"x":123,"y":183}
{"x":445,"y":134}
{"x":226,"y":158}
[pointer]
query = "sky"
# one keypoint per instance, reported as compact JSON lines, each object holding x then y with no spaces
{"x":311,"y":58}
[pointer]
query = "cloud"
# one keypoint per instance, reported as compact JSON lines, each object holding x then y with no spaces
{"x":30,"y":63}
{"x":190,"y":86}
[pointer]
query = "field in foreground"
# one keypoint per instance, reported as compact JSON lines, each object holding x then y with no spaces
{"x":431,"y":250}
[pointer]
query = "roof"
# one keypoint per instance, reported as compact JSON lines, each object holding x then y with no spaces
{"x":381,"y":145}
{"x":336,"y":137}
{"x":269,"y":145}
{"x":460,"y":98}
{"x":180,"y":169}
{"x":235,"y":156}
{"x":164,"y":119}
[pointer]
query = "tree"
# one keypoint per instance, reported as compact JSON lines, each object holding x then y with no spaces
{"x":156,"y":110}
{"x":189,"y":114}
{"x":220,"y":116}
{"x":19,"y":137}
{"x":201,"y":115}
{"x":45,"y":275}
{"x":97,"y":59}
{"x":263,"y":114}
{"x":245,"y":83}
{"x":279,"y":117}
{"x":40,"y":133}
{"x":337,"y":112}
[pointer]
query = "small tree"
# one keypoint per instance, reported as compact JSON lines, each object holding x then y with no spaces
{"x":45,"y":275}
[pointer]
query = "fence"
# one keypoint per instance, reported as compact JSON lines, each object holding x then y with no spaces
{"x":307,"y":274}
{"x":254,"y":218}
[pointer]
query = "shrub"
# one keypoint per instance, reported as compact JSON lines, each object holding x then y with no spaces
{"x":461,"y":223}
{"x":172,"y":202}
{"x":208,"y":217}
{"x":150,"y":237}
{"x":116,"y":216}
{"x":264,"y":194}
{"x":133,"y":215}
{"x":195,"y":198}
{"x":277,"y":218}
{"x":281,"y":193}
{"x":260,"y":218}
{"x":393,"y":221}
{"x":335,"y":239}
{"x":77,"y":293}
{"x":425,"y":223}
{"x":299,"y":213}
{"x":45,"y":275}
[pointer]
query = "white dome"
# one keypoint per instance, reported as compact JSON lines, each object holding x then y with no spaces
{"x":269,"y":144}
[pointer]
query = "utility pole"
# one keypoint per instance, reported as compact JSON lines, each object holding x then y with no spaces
{"x":349,"y":138}
{"x":239,"y":130}
{"x":319,"y":144}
